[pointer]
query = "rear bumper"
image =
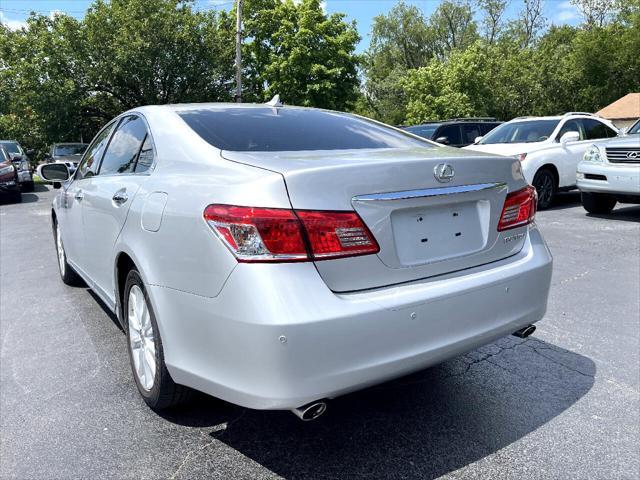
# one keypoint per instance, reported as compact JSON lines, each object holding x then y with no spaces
{"x":620,"y":179}
{"x":277,"y":338}
{"x":24,"y":176}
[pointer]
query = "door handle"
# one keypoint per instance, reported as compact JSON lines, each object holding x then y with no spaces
{"x":120,"y":198}
{"x":78,"y":195}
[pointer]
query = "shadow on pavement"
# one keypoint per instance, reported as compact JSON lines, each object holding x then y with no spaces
{"x":624,"y":213}
{"x":421,"y":426}
{"x":565,"y":200}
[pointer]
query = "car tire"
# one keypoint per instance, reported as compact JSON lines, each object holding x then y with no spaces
{"x":546,"y":186}
{"x":67,"y":273}
{"x":28,"y":186}
{"x":16,"y":197}
{"x":598,"y":203}
{"x":146,"y":353}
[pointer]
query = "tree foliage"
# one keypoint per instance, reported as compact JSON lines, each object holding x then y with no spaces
{"x":61,"y":78}
{"x":518,"y":69}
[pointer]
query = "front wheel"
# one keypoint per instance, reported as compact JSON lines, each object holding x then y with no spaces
{"x":28,"y":186}
{"x":146,"y":354}
{"x":545,"y":183}
{"x":599,"y":203}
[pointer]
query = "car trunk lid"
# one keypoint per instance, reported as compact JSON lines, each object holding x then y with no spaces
{"x":424,"y":226}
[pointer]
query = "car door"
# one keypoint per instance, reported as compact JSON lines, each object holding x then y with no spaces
{"x":69,"y":214}
{"x":566,"y":156}
{"x":109,"y":194}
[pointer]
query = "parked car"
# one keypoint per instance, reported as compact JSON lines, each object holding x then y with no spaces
{"x":458,"y":132}
{"x":277,"y":257}
{"x":610,"y":172}
{"x":549,"y":148}
{"x":20,"y":159}
{"x":68,"y":153}
{"x":9,"y":186}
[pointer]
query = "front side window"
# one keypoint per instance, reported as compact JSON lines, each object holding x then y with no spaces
{"x":574,"y":125}
{"x":122,"y":152}
{"x":635,"y":128}
{"x":266,"y":129}
{"x":450,"y":135}
{"x":526,"y":131}
{"x":89,"y":164}
{"x":470,"y":132}
{"x":595,"y":129}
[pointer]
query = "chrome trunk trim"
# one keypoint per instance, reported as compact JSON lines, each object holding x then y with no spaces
{"x":428,"y":192}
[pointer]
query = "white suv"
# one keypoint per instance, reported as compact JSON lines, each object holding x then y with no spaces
{"x":548,"y":147}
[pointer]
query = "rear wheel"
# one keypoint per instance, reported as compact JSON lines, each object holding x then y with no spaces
{"x":16,"y":197}
{"x":28,"y":186}
{"x":597,"y":202}
{"x":68,"y":275}
{"x":545,"y":183}
{"x":146,"y":354}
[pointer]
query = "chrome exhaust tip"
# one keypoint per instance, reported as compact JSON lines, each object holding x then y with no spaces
{"x":525,"y":332}
{"x":310,"y":411}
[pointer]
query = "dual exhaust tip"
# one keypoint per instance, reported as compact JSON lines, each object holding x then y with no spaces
{"x":313,"y":410}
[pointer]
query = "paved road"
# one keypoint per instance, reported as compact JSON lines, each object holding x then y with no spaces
{"x":562,"y":404}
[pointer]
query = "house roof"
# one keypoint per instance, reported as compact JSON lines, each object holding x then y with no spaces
{"x":623,"y":108}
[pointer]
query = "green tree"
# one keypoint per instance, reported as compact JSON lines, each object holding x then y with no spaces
{"x":297,"y":51}
{"x":400,"y":41}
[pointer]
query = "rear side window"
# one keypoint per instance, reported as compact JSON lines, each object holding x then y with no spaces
{"x":89,"y":164}
{"x":292,"y":129}
{"x":122,"y":152}
{"x":451,"y":134}
{"x":595,"y":129}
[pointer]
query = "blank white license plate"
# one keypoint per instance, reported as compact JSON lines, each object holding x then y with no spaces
{"x":431,"y":234}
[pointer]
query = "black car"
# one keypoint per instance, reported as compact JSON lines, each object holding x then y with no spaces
{"x":9,"y":186}
{"x":457,"y":132}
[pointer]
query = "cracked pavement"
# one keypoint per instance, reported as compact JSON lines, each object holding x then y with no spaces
{"x":563,"y":403}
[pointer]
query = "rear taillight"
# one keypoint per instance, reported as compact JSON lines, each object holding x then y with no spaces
{"x":519,"y":209}
{"x":282,"y":235}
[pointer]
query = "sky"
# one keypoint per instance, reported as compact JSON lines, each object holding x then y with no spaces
{"x":558,"y":12}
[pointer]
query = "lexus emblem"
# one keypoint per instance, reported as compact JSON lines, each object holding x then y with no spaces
{"x":443,"y":172}
{"x":633,"y":154}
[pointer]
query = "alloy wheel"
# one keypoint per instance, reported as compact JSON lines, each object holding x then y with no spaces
{"x":60,"y":248}
{"x":141,"y":338}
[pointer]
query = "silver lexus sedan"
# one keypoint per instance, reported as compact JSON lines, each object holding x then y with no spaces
{"x":278,"y":257}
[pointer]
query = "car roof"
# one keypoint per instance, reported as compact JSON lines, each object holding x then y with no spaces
{"x":69,"y":143}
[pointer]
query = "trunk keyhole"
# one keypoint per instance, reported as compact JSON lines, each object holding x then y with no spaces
{"x":424,"y":240}
{"x":458,"y":234}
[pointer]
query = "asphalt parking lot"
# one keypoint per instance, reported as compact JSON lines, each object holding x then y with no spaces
{"x":564,"y":403}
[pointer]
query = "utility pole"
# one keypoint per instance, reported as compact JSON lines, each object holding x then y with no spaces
{"x":239,"y":52}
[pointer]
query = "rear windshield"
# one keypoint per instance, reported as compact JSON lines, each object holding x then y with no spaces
{"x":529,"y":131}
{"x":425,"y":131}
{"x":292,"y":129}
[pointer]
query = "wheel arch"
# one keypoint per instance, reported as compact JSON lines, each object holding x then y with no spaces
{"x":553,"y":169}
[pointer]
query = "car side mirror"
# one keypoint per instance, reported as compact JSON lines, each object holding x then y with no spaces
{"x":569,"y":137}
{"x":443,"y":140}
{"x":30,"y":153}
{"x":477,"y":139}
{"x":54,"y":172}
